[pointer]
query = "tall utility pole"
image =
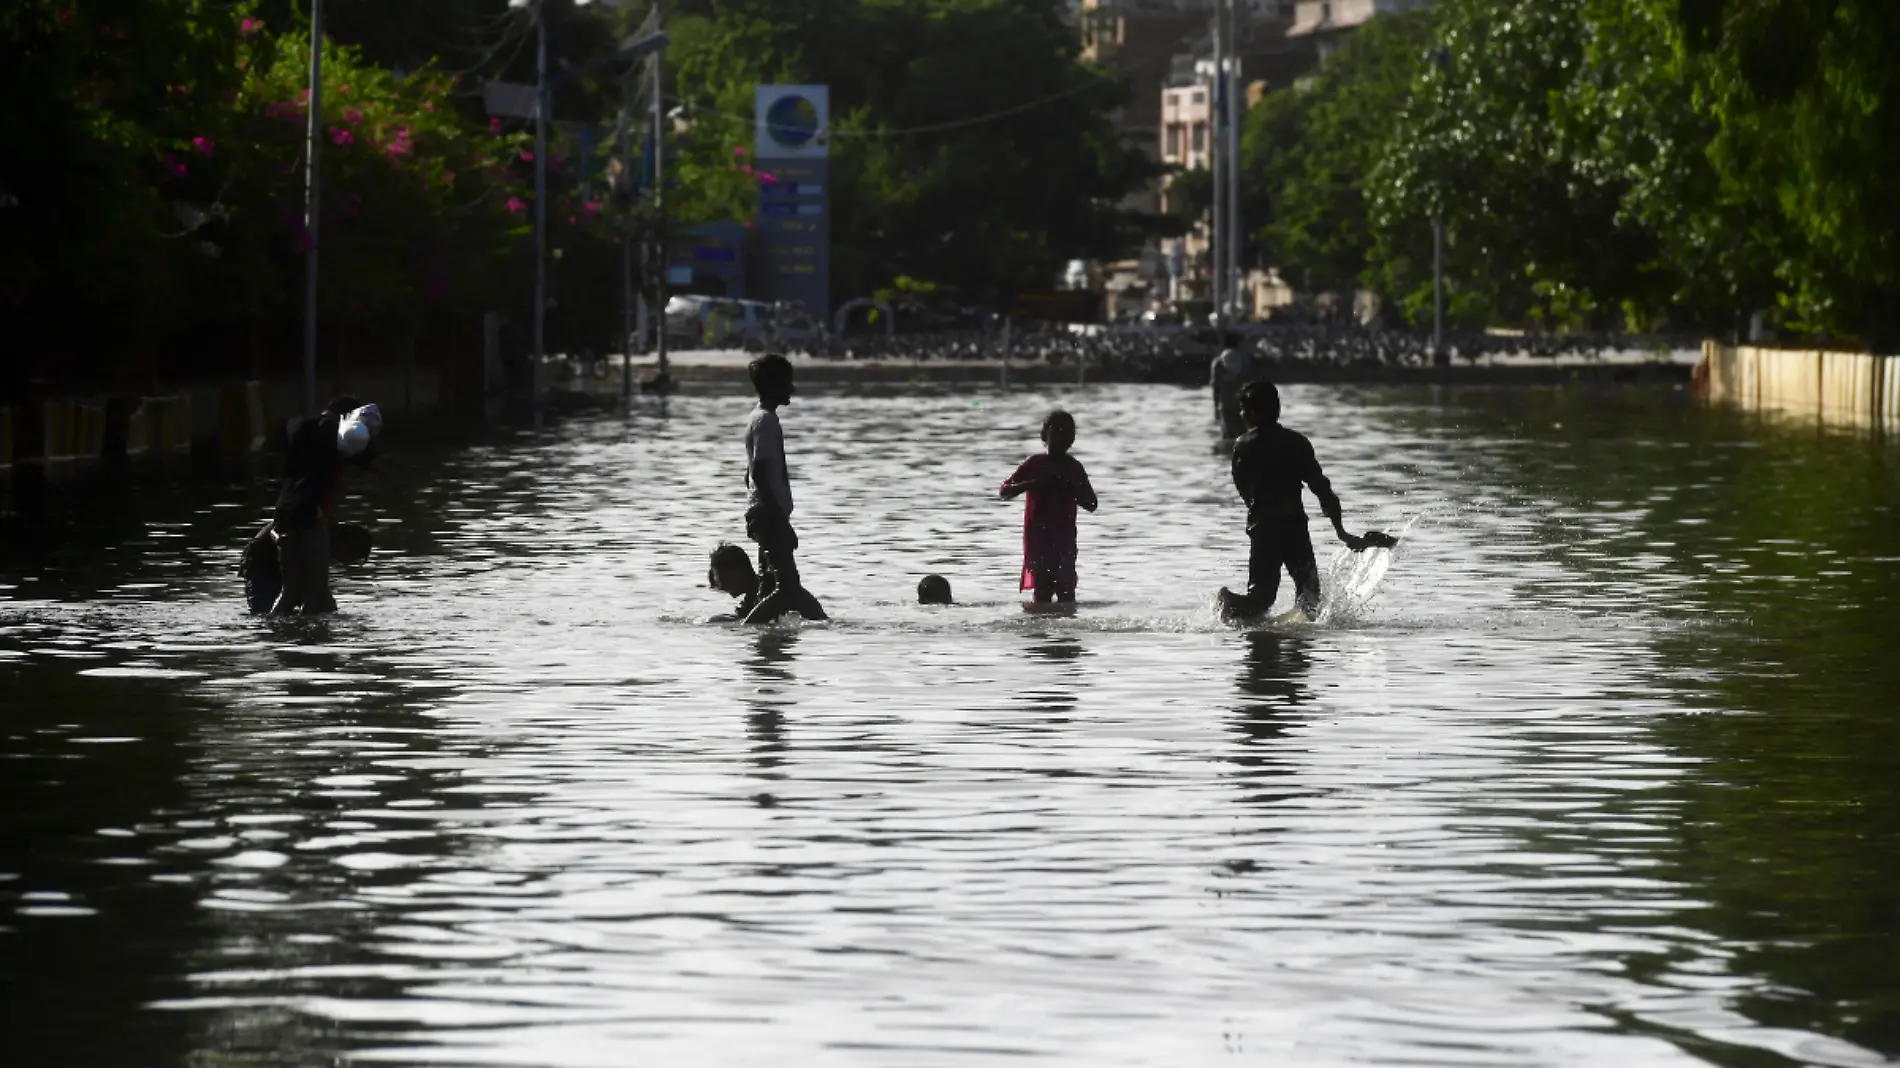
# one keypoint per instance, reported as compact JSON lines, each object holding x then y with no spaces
{"x":1217,"y":155}
{"x":312,"y":188}
{"x":629,"y":50}
{"x":540,"y":196}
{"x":626,"y":246}
{"x":1236,"y":107}
{"x":659,"y":225}
{"x":1438,"y":288}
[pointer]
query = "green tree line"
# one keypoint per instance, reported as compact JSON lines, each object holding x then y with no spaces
{"x":152,"y":180}
{"x":1636,"y":164}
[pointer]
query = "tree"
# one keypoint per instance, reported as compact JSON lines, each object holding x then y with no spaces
{"x":1535,"y":236}
{"x":98,"y":97}
{"x":970,"y":148}
{"x":1807,"y":130}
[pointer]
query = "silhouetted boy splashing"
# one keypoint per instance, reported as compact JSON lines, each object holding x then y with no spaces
{"x":1271,"y":463}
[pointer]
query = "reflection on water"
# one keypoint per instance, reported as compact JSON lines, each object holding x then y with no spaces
{"x":1598,"y":767}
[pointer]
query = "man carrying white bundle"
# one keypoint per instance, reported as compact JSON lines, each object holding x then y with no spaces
{"x":316,"y":451}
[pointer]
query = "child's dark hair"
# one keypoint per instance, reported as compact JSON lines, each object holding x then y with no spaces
{"x":769,"y":370}
{"x":730,"y":556}
{"x":933,"y":589}
{"x":350,"y":543}
{"x":1262,"y":399}
{"x":1055,"y":419}
{"x":342,"y":405}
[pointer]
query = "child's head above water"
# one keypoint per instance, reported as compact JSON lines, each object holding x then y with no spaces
{"x":731,"y":572}
{"x":933,"y":589}
{"x":772,"y":378}
{"x":1259,"y":403}
{"x":1058,"y":431}
{"x":349,"y":543}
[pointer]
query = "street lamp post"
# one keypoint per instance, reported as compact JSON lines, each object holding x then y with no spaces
{"x":312,"y":187}
{"x":1438,"y":288}
{"x":542,"y":89}
{"x":1216,"y":160}
{"x":1236,"y":107}
{"x":1440,"y":358}
{"x":663,"y":378}
{"x":540,"y":198}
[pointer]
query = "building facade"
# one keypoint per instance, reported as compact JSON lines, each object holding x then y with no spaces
{"x":1269,"y":59}
{"x":1328,"y":22}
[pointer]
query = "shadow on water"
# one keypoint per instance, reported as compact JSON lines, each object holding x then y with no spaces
{"x":769,"y":670}
{"x":1272,"y":694}
{"x":1054,"y":702}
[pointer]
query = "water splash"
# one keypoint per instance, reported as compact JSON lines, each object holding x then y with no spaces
{"x":1352,"y":579}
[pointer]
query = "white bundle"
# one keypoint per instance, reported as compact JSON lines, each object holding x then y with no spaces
{"x":354,"y":430}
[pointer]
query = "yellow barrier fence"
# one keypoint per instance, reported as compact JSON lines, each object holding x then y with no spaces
{"x":1850,"y":388}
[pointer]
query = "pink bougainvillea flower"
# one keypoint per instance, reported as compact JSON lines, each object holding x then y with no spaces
{"x":341,"y":136}
{"x":747,"y":169}
{"x":344,"y":89}
{"x":250,"y":26}
{"x":517,"y":205}
{"x":303,"y":96}
{"x":352,"y":115}
{"x":570,"y":220}
{"x":527,"y":157}
{"x":175,"y":168}
{"x":203,"y":145}
{"x":738,"y":150}
{"x":748,"y":224}
{"x":592,"y":207}
{"x":494,"y":125}
{"x":65,"y":16}
{"x":767,"y":179}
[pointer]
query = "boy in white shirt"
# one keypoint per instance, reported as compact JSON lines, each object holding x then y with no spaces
{"x":768,"y":514}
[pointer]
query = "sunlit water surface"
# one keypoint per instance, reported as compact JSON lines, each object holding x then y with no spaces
{"x":1599,"y":768}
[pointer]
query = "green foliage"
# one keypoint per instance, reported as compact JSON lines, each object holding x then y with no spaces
{"x":970,"y":148}
{"x":96,"y":95}
{"x":1600,"y":162}
{"x":1306,"y":153}
{"x":1807,"y":132}
{"x":1191,"y":196}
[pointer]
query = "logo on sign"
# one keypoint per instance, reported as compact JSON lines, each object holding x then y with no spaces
{"x":792,"y":121}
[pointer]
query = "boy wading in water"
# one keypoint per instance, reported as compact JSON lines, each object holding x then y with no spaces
{"x":1270,"y":464}
{"x":1055,"y":483}
{"x":768,"y":514}
{"x":313,"y":472}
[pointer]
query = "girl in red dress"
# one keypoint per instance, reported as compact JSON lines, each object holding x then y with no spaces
{"x":1055,"y":483}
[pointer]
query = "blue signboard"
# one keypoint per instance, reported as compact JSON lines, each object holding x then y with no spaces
{"x":792,"y":236}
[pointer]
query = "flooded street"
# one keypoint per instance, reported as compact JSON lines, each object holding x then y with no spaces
{"x":1603,"y":769}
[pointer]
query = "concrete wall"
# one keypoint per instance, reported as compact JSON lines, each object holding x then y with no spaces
{"x":1847,"y":388}
{"x":232,"y":418}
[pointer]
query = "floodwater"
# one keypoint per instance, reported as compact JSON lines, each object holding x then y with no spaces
{"x":1599,"y":768}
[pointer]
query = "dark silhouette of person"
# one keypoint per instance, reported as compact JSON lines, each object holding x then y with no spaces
{"x":1273,"y":696}
{"x":770,"y":668}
